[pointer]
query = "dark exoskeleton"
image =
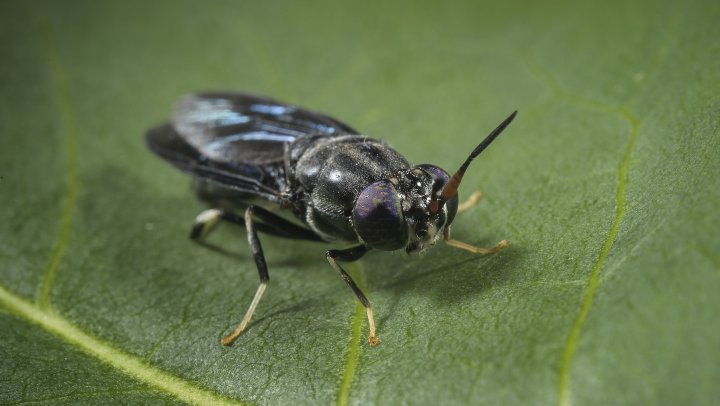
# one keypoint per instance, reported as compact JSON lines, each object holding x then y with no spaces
{"x":262,"y":156}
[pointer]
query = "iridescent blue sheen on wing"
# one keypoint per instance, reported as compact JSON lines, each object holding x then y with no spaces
{"x":378,"y":217}
{"x":245,"y":129}
{"x":237,"y":142}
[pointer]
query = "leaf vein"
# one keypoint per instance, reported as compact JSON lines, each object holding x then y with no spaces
{"x":594,"y":280}
{"x":353,"y":352}
{"x":69,"y":128}
{"x":129,"y":364}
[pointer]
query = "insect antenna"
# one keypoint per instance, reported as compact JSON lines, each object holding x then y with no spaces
{"x":452,"y":186}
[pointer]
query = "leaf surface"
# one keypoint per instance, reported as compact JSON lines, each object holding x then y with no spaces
{"x":606,"y":186}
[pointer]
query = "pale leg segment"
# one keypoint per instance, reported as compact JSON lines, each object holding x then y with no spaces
{"x":204,"y":223}
{"x":471,"y":248}
{"x":257,"y":252}
{"x":352,"y":254}
{"x":471,"y":201}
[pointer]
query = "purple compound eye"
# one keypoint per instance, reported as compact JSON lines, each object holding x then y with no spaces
{"x":438,"y":172}
{"x":378,"y":217}
{"x":443,"y":177}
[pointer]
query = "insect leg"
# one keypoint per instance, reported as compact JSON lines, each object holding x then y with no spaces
{"x":352,"y":254}
{"x":276,"y":225}
{"x":270,"y":223}
{"x":467,"y":247}
{"x":257,"y":251}
{"x":204,"y":222}
{"x":470,"y":202}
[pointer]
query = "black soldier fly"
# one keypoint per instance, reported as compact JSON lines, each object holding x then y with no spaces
{"x":259,"y":155}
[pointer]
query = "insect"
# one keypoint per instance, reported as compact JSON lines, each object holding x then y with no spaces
{"x":267,"y":157}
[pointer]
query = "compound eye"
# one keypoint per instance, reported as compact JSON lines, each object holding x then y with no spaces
{"x":437,"y":172}
{"x":378,"y":217}
{"x":442,"y":179}
{"x":452,"y":206}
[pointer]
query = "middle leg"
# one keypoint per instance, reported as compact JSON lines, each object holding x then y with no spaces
{"x":352,"y":254}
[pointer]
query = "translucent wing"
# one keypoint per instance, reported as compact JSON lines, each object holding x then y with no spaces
{"x":237,"y":141}
{"x":265,"y":181}
{"x":234,"y":127}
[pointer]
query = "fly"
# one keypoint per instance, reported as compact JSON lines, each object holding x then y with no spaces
{"x":256,"y":155}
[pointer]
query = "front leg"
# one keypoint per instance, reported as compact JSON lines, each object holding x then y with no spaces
{"x":465,"y":206}
{"x":352,"y":254}
{"x":471,"y":201}
{"x":475,"y":250}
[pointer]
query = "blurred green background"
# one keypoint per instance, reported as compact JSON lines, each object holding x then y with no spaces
{"x":606,"y":185}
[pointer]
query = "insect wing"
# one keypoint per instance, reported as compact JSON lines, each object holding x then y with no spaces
{"x":237,"y":140}
{"x":234,"y":127}
{"x":165,"y":142}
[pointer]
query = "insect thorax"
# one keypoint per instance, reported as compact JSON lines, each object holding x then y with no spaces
{"x":330,"y":172}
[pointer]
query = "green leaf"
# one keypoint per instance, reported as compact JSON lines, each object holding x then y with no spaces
{"x":606,"y":185}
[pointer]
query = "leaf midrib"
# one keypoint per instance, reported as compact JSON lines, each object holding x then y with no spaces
{"x":132,"y":365}
{"x":42,"y":313}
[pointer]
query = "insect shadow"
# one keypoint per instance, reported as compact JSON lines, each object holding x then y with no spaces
{"x":435,"y":275}
{"x":448,"y":283}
